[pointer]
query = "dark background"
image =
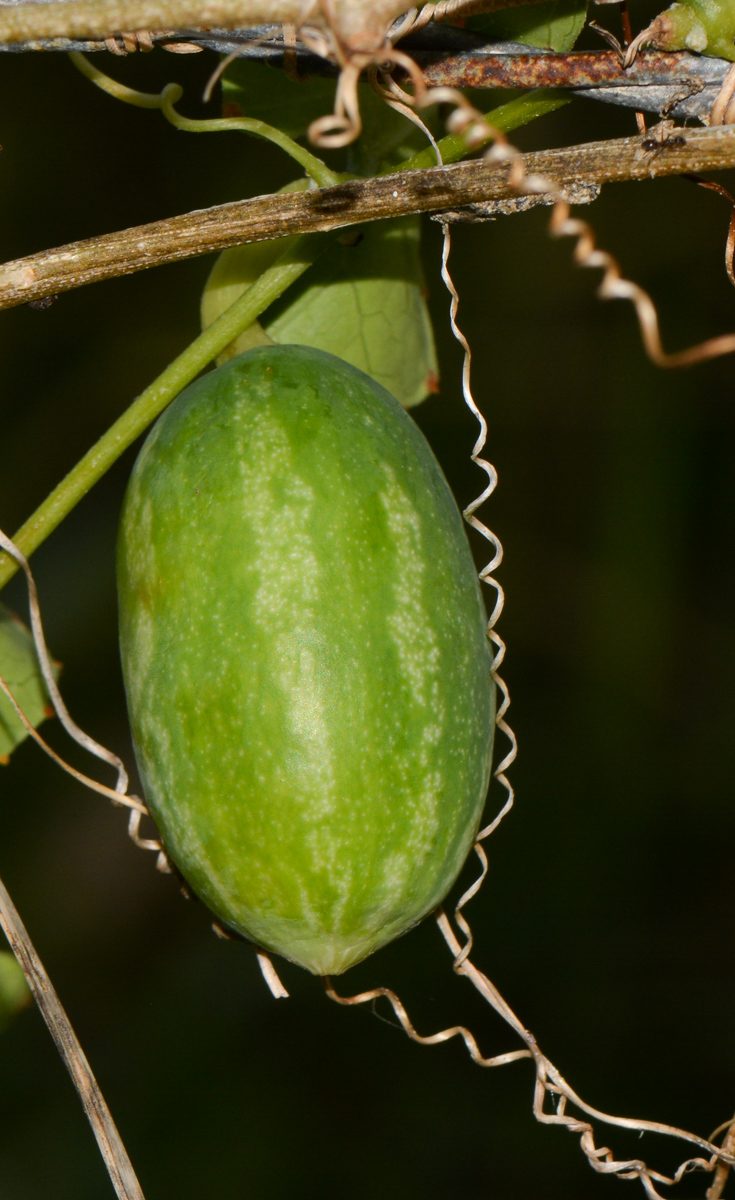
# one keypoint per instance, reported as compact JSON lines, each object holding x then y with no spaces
{"x":607,"y":919}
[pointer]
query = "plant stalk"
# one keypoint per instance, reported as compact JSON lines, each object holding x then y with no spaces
{"x":113,"y":1151}
{"x":285,"y":271}
{"x":143,"y":411}
{"x":398,"y":194}
{"x":504,"y":117}
{"x":166,"y":100}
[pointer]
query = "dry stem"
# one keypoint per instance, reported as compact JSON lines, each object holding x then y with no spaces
{"x":30,"y":22}
{"x":350,"y":203}
{"x":100,"y":18}
{"x":111,"y":1147}
{"x":355,"y":25}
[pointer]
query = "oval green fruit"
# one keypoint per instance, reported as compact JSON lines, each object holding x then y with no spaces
{"x":305,"y":657}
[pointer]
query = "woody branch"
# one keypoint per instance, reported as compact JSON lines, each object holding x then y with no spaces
{"x":351,"y":203}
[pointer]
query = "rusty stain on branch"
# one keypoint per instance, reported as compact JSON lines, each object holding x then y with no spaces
{"x":680,"y":84}
{"x":577,"y":69}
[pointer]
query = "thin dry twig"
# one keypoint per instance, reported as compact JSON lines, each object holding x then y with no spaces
{"x":113,"y":1151}
{"x":350,"y":203}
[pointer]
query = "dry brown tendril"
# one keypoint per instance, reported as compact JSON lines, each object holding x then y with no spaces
{"x":119,"y":794}
{"x":548,"y":1079}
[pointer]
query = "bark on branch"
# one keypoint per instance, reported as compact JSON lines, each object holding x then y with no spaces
{"x":351,"y":203}
{"x":31,"y":22}
{"x":100,"y":18}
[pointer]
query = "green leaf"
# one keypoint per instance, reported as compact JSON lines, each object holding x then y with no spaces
{"x":19,"y":668}
{"x":15,"y":994}
{"x":362,"y":302}
{"x":366,"y":304}
{"x":551,"y":26}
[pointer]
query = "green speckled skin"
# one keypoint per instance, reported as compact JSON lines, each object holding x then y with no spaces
{"x":304,"y":650}
{"x":705,"y":26}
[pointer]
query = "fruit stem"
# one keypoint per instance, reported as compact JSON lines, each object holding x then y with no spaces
{"x":144,"y":410}
{"x":285,"y":271}
{"x":504,"y":117}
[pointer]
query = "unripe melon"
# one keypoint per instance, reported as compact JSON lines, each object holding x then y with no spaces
{"x":305,"y":657}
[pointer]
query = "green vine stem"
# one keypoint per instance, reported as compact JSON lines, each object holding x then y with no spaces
{"x":285,"y":271}
{"x":505,"y":118}
{"x":143,"y":411}
{"x":319,"y":171}
{"x":172,"y":93}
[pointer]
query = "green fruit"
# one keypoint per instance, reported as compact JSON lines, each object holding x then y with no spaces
{"x":706,"y":26}
{"x":305,"y":658}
